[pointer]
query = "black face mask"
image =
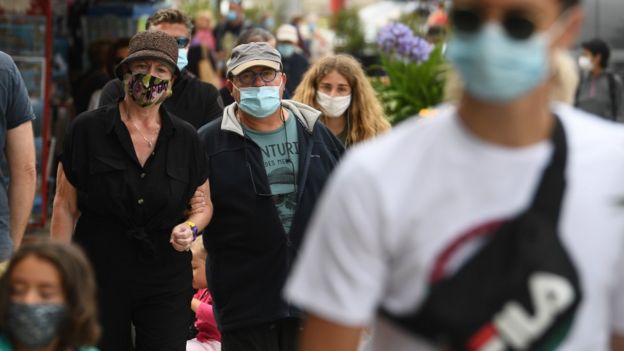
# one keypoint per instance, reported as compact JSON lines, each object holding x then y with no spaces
{"x":35,"y":325}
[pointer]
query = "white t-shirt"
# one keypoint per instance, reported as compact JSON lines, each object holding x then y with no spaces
{"x":396,"y":202}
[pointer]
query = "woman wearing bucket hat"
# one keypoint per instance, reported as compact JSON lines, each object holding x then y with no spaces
{"x":127,"y":173}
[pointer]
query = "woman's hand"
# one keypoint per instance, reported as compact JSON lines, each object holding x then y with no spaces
{"x":181,"y":237}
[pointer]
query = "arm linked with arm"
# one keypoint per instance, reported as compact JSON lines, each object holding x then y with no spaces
{"x":181,"y":235}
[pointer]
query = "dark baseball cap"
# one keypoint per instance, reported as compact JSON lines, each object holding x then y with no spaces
{"x":253,"y":54}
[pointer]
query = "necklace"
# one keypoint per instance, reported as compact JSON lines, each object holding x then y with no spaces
{"x":149,"y":142}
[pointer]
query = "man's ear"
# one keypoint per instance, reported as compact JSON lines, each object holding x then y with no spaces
{"x":283,"y":86}
{"x":230,"y":87}
{"x":573,"y":23}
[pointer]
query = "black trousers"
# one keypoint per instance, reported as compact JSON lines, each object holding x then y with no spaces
{"x":151,"y":293}
{"x":160,"y":321}
{"x":280,"y":335}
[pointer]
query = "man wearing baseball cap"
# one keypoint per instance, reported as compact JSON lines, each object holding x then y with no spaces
{"x":295,"y":63}
{"x":268,"y":160}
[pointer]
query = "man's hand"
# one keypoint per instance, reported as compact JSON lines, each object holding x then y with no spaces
{"x":197,"y":202}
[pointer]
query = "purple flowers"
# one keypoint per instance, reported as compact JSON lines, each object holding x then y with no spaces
{"x":398,"y":39}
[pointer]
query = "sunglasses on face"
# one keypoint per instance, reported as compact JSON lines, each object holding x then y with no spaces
{"x":517,"y":24}
{"x":182,"y":42}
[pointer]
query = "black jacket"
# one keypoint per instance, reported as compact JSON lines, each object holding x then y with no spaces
{"x":295,"y":67}
{"x":192,"y":100}
{"x":250,"y":254}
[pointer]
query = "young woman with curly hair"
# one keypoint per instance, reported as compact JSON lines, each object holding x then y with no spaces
{"x":337,"y":86}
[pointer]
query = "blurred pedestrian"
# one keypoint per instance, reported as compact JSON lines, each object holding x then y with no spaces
{"x":267,"y":21}
{"x":337,"y":86}
{"x":469,"y":231}
{"x":268,"y":160}
{"x":47,"y":300}
{"x":439,"y":17}
{"x":295,"y":64}
{"x":18,"y":145}
{"x":117,"y":52}
{"x":202,"y":60}
{"x":127,"y":173}
{"x":229,"y":29}
{"x":208,"y":337}
{"x":600,"y":91}
{"x":192,"y":100}
{"x":203,"y":30}
{"x":94,"y":78}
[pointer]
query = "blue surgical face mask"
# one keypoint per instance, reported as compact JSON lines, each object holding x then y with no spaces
{"x":287,"y":50}
{"x":35,"y":325}
{"x":260,"y":102}
{"x":496,"y":68}
{"x":182,"y":58}
{"x":231,"y":16}
{"x":269,"y":23}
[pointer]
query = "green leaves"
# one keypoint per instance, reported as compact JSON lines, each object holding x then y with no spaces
{"x":410,"y":87}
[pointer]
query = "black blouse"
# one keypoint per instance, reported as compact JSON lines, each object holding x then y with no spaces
{"x":123,"y":204}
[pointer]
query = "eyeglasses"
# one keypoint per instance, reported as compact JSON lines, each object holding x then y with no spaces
{"x":516,"y":23}
{"x":249,"y":77}
{"x":182,"y":42}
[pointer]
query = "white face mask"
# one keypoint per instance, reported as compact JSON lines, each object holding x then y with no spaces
{"x":585,"y":64}
{"x":333,"y":106}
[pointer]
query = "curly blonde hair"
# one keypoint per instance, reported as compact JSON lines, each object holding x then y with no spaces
{"x":365,"y":114}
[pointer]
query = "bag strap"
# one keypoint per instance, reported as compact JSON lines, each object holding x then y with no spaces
{"x":549,"y":194}
{"x":612,"y":94}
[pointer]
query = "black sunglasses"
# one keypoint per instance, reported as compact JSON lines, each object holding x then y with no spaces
{"x":470,"y":20}
{"x":182,"y":42}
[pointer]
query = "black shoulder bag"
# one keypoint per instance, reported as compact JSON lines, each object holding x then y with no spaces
{"x":519,"y":291}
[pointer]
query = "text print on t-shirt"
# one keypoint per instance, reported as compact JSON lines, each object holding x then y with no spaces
{"x":515,"y":327}
{"x":276,"y":154}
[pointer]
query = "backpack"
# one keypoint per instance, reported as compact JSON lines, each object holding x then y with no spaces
{"x":519,"y":291}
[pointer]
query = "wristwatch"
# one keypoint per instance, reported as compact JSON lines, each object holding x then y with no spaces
{"x":193,"y":228}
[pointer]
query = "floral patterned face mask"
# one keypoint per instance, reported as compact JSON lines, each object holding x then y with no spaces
{"x":147,"y":90}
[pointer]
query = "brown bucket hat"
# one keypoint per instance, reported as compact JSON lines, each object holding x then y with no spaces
{"x":151,"y":45}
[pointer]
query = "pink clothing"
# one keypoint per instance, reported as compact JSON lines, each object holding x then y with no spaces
{"x":438,"y":19}
{"x":194,"y":345}
{"x":204,"y":318}
{"x":204,"y":37}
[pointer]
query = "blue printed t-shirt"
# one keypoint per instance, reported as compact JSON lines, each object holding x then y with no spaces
{"x":15,"y":109}
{"x":280,"y":153}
